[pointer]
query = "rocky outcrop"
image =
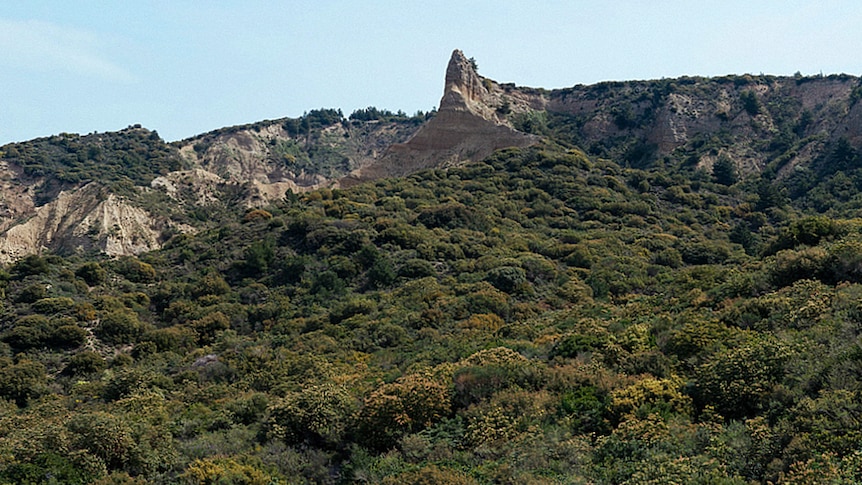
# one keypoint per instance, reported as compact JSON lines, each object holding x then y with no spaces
{"x":81,"y":220}
{"x":248,"y":156}
{"x":268,"y":160}
{"x":742,"y":117}
{"x":17,"y":195}
{"x":469,"y":125}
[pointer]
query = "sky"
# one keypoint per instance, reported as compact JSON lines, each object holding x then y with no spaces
{"x":184,"y":67}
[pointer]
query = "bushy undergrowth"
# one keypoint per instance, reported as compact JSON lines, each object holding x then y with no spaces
{"x":538,"y":317}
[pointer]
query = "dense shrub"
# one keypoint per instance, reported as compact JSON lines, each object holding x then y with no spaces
{"x":452,"y":216}
{"x":704,"y":253}
{"x":318,"y":416}
{"x":790,"y":265}
{"x":136,"y":271}
{"x":507,"y":278}
{"x":68,"y":336}
{"x":542,"y":316}
{"x":409,"y":404}
{"x":574,"y":344}
{"x":22,"y":380}
{"x":86,"y":362}
{"x":741,"y":381}
{"x":119,"y":327}
{"x":92,"y":273}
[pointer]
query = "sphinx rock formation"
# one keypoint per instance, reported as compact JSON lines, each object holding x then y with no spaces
{"x":468,"y":126}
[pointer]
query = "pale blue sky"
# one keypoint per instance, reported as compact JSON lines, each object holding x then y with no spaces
{"x":184,"y":67}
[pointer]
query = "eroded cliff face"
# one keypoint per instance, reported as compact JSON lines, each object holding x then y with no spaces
{"x":477,"y":116}
{"x":85,"y":219}
{"x":745,"y":118}
{"x":17,"y":195}
{"x":469,"y":125}
{"x":269,"y":161}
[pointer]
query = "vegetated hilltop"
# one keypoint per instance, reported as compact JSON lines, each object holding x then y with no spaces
{"x":540,"y":313}
{"x":58,"y":193}
{"x":797,"y":130}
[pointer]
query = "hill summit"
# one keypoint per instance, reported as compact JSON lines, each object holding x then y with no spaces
{"x":467,"y":126}
{"x":790,"y":129}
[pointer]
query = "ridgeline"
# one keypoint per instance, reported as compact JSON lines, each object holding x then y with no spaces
{"x":631,"y":282}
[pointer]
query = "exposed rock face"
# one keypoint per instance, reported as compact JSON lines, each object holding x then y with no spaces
{"x":262,"y":156}
{"x":247,"y":156}
{"x":82,"y":220}
{"x":467,"y":127}
{"x":16,"y":195}
{"x":669,"y":114}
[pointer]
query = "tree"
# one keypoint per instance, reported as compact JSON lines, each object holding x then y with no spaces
{"x":724,"y":171}
{"x":750,"y":102}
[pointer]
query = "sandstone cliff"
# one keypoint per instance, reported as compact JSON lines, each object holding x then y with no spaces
{"x":753,"y":120}
{"x":83,"y":220}
{"x":268,"y":159}
{"x":467,"y":126}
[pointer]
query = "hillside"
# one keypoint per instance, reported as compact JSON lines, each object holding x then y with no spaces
{"x":509,"y":290}
{"x":791,"y":132}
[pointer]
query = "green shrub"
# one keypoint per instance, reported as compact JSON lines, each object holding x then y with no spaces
{"x":104,"y":435}
{"x":586,"y":407}
{"x":74,"y":469}
{"x":52,"y":306}
{"x":724,"y":171}
{"x":32,"y":293}
{"x":704,"y":252}
{"x":809,"y":231}
{"x":507,"y":278}
{"x":318,"y":415}
{"x":210,"y":285}
{"x":844,"y":263}
{"x":21,"y":381}
{"x":209,"y":325}
{"x":750,"y":102}
{"x":69,"y":336}
{"x":92,"y":273}
{"x":452,"y":216}
{"x":352,"y":307}
{"x":407,"y":405}
{"x":171,"y":339}
{"x":381,"y":273}
{"x":580,"y":257}
{"x":30,"y":265}
{"x":790,"y":265}
{"x":740,"y":382}
{"x":669,"y":257}
{"x":119,"y":327}
{"x":416,"y":268}
{"x":136,"y":271}
{"x":577,"y":343}
{"x":86,"y":362}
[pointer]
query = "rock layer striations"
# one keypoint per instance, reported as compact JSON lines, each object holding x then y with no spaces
{"x":466,"y":127}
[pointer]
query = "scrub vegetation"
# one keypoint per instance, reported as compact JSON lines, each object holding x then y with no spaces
{"x":543,"y":316}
